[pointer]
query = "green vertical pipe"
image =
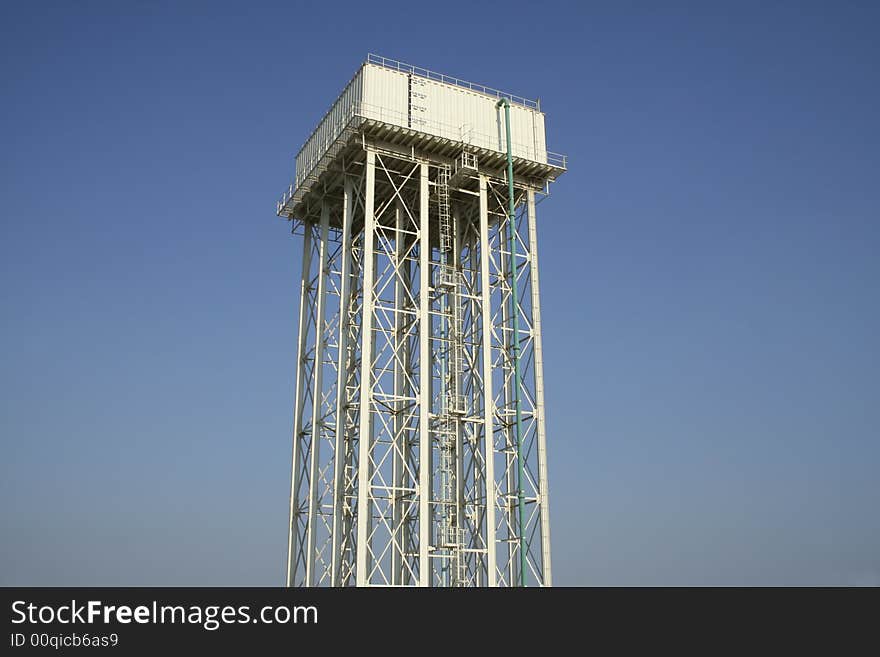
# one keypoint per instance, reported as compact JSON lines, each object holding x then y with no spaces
{"x":514,"y":311}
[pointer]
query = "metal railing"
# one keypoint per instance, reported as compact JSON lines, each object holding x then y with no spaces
{"x":557,"y":160}
{"x":437,"y":128}
{"x":395,"y":65}
{"x":364,"y":111}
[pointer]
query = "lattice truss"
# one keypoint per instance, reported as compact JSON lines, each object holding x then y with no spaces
{"x":405,"y":458}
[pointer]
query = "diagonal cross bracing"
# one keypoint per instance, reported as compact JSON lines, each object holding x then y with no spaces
{"x":404,"y":458}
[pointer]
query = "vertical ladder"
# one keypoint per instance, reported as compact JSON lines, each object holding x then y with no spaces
{"x":452,"y":401}
{"x":446,"y":236}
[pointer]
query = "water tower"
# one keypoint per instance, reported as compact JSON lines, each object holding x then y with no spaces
{"x":419,"y":450}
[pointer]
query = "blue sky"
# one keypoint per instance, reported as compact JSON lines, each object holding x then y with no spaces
{"x":709,"y":279}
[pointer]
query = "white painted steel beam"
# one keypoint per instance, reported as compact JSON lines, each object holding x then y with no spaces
{"x":343,"y":360}
{"x":317,"y":380}
{"x":294,"y":538}
{"x":544,"y":499}
{"x":488,"y":401}
{"x":425,"y":447}
{"x":366,"y":433}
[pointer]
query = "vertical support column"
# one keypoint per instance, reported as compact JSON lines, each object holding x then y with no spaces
{"x":317,"y":381}
{"x":341,"y":395}
{"x":425,"y":365}
{"x":304,"y":300}
{"x":506,"y":395}
{"x":477,"y":496}
{"x":399,"y":435}
{"x":539,"y":393}
{"x":456,"y":359}
{"x":488,"y":397}
{"x":366,"y":433}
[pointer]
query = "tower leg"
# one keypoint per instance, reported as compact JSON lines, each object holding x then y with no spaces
{"x":543,"y":488}
{"x":305,"y":365}
{"x":425,"y":365}
{"x":488,"y":431}
{"x":318,"y":429}
{"x":365,"y":470}
{"x":344,"y":363}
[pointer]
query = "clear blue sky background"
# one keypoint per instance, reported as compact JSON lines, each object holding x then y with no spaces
{"x":710,"y":279}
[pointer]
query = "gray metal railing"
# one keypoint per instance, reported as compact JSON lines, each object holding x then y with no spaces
{"x":364,"y":111}
{"x":393,"y":117}
{"x":447,"y":79}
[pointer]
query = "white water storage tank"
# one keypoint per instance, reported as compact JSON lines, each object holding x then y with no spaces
{"x":422,"y":101}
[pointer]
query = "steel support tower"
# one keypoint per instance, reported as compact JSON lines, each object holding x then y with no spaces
{"x":419,"y":448}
